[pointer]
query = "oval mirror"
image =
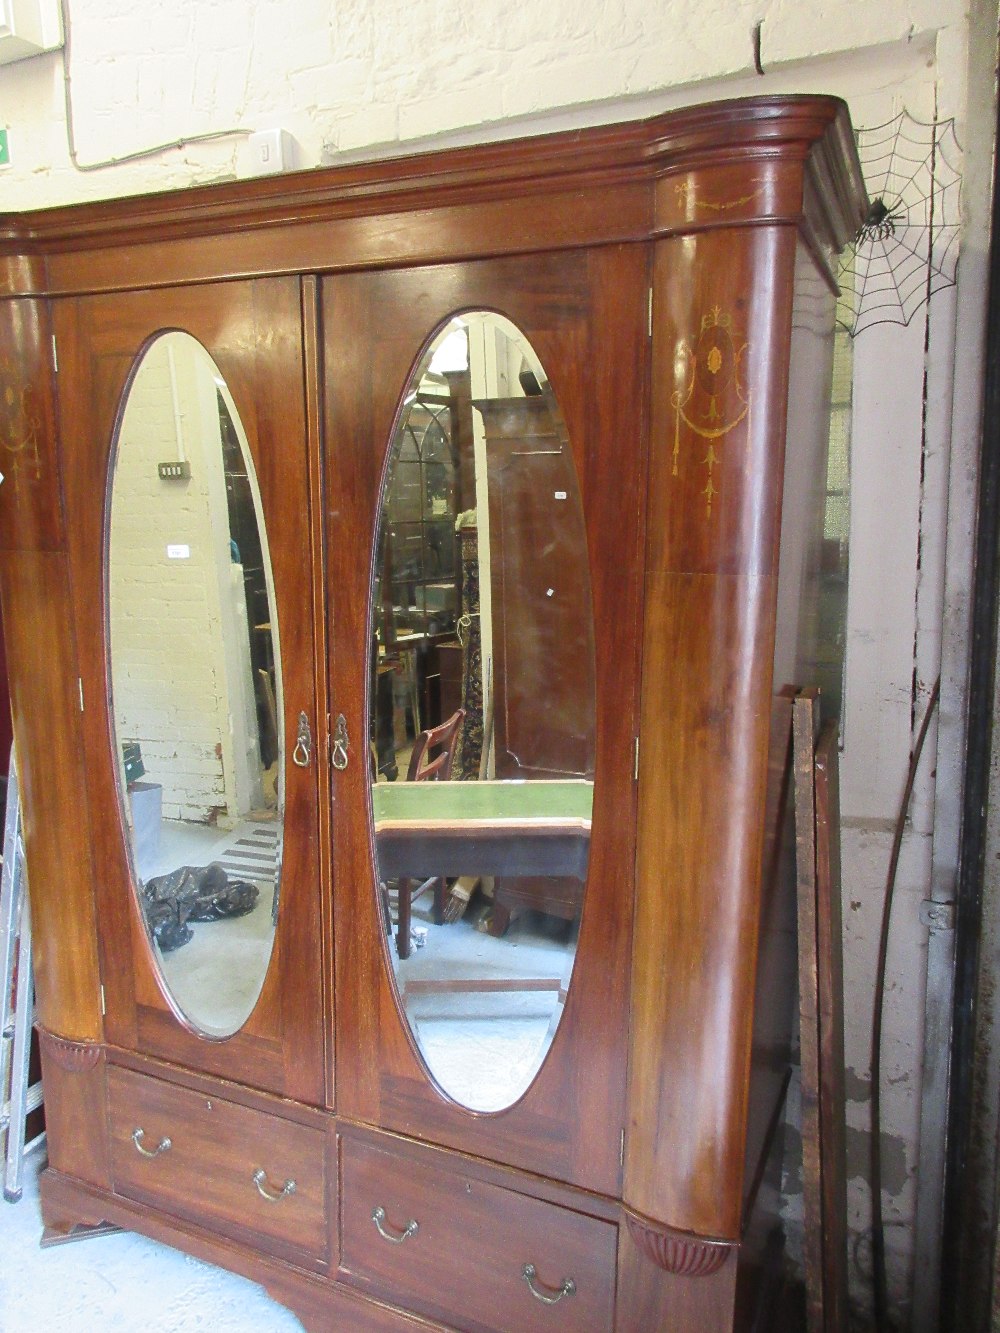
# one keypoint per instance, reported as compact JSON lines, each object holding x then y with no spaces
{"x":195,"y":684}
{"x":482,"y":716}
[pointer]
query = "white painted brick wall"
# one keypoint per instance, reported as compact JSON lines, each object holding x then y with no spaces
{"x":169,"y":678}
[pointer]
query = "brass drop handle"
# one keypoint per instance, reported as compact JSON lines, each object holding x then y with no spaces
{"x":530,"y":1273}
{"x":340,"y":744}
{"x":266,"y":1192}
{"x":138,"y":1135}
{"x":378,"y":1217}
{"x":303,"y":743}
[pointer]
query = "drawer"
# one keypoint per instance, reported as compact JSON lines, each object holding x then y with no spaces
{"x":458,"y":1248}
{"x":238,"y":1169}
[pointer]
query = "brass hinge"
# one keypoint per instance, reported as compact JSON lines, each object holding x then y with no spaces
{"x":55,"y":355}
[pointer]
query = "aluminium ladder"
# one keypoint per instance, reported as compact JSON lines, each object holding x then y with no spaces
{"x":18,"y":1098}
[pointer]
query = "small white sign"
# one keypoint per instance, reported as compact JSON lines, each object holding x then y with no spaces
{"x":178,"y":552}
{"x":560,"y":495}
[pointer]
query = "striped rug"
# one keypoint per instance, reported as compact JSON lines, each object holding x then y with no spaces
{"x":253,"y":854}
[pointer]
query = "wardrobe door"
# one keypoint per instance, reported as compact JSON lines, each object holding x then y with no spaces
{"x":189,"y":513}
{"x":567,"y":404}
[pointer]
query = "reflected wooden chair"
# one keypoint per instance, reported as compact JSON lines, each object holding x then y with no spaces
{"x":431,"y":761}
{"x":269,"y":728}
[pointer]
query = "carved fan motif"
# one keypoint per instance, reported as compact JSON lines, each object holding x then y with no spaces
{"x":676,"y":1251}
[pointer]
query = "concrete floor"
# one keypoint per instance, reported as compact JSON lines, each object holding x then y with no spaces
{"x":117,"y":1284}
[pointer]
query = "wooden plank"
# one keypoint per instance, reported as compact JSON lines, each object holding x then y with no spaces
{"x":829,"y":937}
{"x":817,"y":833}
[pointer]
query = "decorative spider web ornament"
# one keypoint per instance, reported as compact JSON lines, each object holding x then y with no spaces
{"x":907,"y":248}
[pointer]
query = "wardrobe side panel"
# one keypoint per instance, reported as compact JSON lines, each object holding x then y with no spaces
{"x":803,"y":622}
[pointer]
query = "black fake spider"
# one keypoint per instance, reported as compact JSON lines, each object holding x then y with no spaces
{"x":881,"y":221}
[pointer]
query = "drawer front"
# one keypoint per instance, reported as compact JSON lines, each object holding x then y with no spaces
{"x":465,"y":1258}
{"x":211,"y":1170}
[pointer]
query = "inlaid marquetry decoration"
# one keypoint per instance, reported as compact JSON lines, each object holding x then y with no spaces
{"x":20,"y":426}
{"x":713,"y":399}
{"x":687,"y":195}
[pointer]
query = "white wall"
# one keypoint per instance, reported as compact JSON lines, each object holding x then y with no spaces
{"x":354,"y":77}
{"x":352,"y":74}
{"x":177,"y":656}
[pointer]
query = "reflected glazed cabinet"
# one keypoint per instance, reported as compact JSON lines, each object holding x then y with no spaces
{"x":676,"y":278}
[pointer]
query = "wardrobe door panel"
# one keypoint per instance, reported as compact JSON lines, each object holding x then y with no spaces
{"x":252,"y":334}
{"x":377,"y":327}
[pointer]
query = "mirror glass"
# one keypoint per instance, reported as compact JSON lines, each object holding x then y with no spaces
{"x":482,"y":714}
{"x":195,"y":684}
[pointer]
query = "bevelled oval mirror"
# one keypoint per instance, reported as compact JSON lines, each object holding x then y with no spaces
{"x":195,"y":684}
{"x":482,"y":710}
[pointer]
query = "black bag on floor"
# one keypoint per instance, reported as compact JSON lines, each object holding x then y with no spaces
{"x":192,"y":893}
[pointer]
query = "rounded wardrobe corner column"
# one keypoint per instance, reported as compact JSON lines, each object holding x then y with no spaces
{"x":730,"y":304}
{"x":36,"y":600}
{"x":493,"y":445}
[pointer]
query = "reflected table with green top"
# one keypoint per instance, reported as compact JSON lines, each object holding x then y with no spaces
{"x":509,"y":829}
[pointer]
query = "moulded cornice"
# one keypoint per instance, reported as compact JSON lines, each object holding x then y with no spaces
{"x":564,"y":167}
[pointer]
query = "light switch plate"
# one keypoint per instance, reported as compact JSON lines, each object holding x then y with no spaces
{"x":270,"y":152}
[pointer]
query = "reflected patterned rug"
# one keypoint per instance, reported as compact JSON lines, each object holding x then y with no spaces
{"x":254,"y":854}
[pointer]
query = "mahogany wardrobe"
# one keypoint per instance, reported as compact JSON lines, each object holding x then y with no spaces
{"x":406,"y":569}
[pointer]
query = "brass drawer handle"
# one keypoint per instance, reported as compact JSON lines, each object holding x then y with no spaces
{"x":265,"y":1191}
{"x":568,"y":1288}
{"x":138,"y":1135}
{"x":378,"y":1217}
